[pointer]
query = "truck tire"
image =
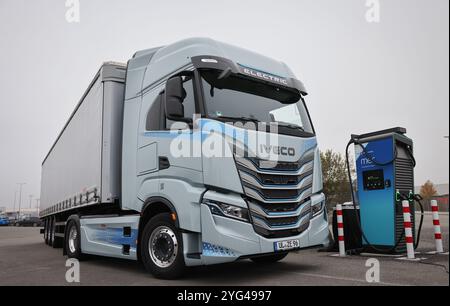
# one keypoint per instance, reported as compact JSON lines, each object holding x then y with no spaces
{"x":46,"y":230}
{"x":57,"y":242}
{"x":49,"y":228}
{"x":162,"y":248}
{"x":50,"y":231}
{"x":269,"y":258}
{"x":73,"y":241}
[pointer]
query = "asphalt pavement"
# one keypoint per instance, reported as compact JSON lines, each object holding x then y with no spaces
{"x":26,"y":260}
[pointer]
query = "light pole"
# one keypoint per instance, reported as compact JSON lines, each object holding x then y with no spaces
{"x":20,"y":195}
{"x":31,"y":198}
{"x":15,"y":199}
{"x":37,"y":204}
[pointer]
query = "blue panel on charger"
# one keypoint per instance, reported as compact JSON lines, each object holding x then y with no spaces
{"x":376,"y":191}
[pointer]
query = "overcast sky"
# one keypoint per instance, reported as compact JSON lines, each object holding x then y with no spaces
{"x":361,"y":76}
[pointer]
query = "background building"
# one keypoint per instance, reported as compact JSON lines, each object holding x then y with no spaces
{"x":24,"y":212}
{"x":441,"y":197}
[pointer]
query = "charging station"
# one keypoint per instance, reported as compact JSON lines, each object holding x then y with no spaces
{"x":385,"y":176}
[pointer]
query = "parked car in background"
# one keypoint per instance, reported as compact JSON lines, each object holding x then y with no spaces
{"x":4,"y":221}
{"x":29,"y":221}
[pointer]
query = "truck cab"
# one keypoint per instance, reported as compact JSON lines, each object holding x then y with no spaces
{"x":217,"y":161}
{"x":204,"y":114}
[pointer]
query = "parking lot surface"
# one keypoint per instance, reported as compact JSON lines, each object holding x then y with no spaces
{"x":26,"y":260}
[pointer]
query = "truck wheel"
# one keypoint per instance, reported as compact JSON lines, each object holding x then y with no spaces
{"x":49,"y":231}
{"x":162,"y":248}
{"x":57,"y":242}
{"x":46,"y":230}
{"x":73,"y":241}
{"x":51,"y":226}
{"x":269,"y":258}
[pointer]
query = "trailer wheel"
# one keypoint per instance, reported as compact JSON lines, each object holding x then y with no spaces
{"x":57,"y":242}
{"x":46,"y":230}
{"x":162,"y":248}
{"x":73,"y":241}
{"x":49,"y":228}
{"x":51,"y":225}
{"x":269,"y":258}
{"x":49,"y":232}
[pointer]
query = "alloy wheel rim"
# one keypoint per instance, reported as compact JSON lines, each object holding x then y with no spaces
{"x":73,"y":235}
{"x":163,"y":246}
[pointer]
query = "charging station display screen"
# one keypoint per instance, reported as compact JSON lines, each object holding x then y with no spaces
{"x":373,"y":179}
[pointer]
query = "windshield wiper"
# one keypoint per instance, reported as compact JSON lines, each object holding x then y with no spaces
{"x":249,"y":119}
{"x":243,"y":118}
{"x":289,"y":125}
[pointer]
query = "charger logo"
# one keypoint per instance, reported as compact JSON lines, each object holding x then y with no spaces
{"x":284,"y":151}
{"x":265,"y":76}
{"x":365,"y":161}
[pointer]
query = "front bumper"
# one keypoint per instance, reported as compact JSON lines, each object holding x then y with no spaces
{"x":226,"y":240}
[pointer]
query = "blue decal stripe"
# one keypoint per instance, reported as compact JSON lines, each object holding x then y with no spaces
{"x":115,"y":236}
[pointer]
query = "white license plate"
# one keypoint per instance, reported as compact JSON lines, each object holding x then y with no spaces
{"x":286,"y":245}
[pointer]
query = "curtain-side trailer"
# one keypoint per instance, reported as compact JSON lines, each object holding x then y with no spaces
{"x":81,"y":172}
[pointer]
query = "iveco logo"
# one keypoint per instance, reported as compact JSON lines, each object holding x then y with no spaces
{"x":285,"y":151}
{"x":265,"y":76}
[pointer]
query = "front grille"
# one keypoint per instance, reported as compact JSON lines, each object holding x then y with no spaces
{"x":282,"y":221}
{"x":280,"y":207}
{"x":270,"y":179}
{"x":281,"y":233}
{"x":278,"y":194}
{"x":275,"y":165}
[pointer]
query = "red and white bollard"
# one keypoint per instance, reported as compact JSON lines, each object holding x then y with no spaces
{"x":408,"y":230}
{"x":340,"y":227}
{"x":437,"y":227}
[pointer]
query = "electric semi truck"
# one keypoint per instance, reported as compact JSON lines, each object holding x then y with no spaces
{"x":194,"y":153}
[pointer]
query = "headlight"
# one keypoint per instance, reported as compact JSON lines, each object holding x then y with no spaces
{"x":317,"y":208}
{"x":227,"y":210}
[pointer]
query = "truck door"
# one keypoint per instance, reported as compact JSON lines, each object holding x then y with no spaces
{"x":147,"y":151}
{"x":174,"y":171}
{"x":179,"y":144}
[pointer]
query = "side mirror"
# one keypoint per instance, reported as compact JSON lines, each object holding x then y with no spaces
{"x":174,"y":96}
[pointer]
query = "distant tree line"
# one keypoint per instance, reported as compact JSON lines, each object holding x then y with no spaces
{"x":335,"y":178}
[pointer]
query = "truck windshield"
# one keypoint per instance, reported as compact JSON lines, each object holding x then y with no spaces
{"x":241,"y":99}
